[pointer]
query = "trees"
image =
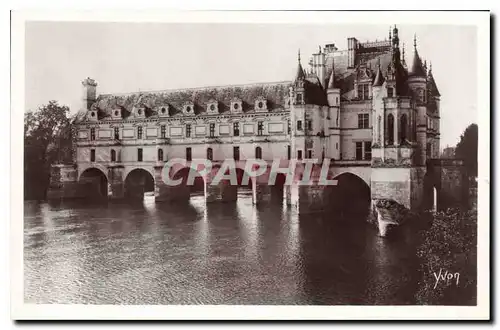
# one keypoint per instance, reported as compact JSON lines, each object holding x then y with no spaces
{"x":48,"y":139}
{"x":466,"y":149}
{"x":449,"y":247}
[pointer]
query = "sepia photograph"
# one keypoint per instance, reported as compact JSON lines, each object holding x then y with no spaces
{"x":245,"y":161}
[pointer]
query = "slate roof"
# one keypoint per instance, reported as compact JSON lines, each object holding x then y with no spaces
{"x":274,"y":93}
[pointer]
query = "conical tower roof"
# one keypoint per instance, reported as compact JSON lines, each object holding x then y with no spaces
{"x":431,"y":83}
{"x":417,"y":68}
{"x":300,"y":71}
{"x":379,"y":78}
{"x":331,"y":81}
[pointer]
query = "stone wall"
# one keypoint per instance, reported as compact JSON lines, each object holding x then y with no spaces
{"x":393,"y":184}
{"x":63,"y":183}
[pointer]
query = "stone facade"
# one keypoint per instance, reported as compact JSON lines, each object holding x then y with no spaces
{"x":361,"y":108}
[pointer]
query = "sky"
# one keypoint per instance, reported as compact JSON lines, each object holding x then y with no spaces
{"x":128,"y":57}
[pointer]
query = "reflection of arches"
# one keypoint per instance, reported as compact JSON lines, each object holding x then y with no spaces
{"x":390,"y":129}
{"x":350,"y":195}
{"x":95,"y":182}
{"x":137,"y":182}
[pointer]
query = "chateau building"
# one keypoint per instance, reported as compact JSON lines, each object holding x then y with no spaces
{"x":363,"y":108}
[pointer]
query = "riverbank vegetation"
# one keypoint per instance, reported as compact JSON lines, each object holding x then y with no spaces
{"x":47,"y":140}
{"x":448,"y":254}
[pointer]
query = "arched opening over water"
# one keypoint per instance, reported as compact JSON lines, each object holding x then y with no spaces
{"x":138,"y":183}
{"x":431,"y":200}
{"x":351,"y":197}
{"x":243,"y":189}
{"x":94,"y":182}
{"x":191,"y":180}
{"x":278,"y":189}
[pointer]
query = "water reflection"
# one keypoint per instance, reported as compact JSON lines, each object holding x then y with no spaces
{"x":198,"y":253}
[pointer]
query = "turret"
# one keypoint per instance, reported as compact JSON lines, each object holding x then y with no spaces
{"x":417,"y":82}
{"x":300,"y":77}
{"x":378,"y":95}
{"x":333,"y":97}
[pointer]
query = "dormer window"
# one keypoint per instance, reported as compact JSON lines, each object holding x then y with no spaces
{"x":93,"y":115}
{"x":261,"y":104}
{"x":212,"y":107}
{"x":299,"y":98}
{"x":117,"y":113}
{"x":188,"y":108}
{"x":236,"y":105}
{"x":140,"y":112}
{"x":163,"y":111}
{"x":363,"y":91}
{"x":390,"y":92}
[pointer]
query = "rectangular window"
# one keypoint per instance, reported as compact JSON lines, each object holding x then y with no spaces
{"x":289,"y":152}
{"x":92,"y":155}
{"x":188,"y":154}
{"x":299,"y":125}
{"x":236,"y":129}
{"x":366,"y":91}
{"x":309,"y":154}
{"x":212,"y":129}
{"x":117,"y":133}
{"x":360,"y":91}
{"x":299,"y":154}
{"x":359,"y":151}
{"x":188,"y":130}
{"x":363,"y":120}
{"x":139,"y":155}
{"x":163,"y":131}
{"x":139,"y":132}
{"x":309,"y":125}
{"x":236,"y":153}
{"x":260,"y":128}
{"x":390,"y":92}
{"x":298,"y":99}
{"x":368,"y":150}
{"x":289,"y":128}
{"x":92,"y":134}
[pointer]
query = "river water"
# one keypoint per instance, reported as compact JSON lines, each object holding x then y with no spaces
{"x":147,"y":253}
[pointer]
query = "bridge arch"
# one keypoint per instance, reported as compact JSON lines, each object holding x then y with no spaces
{"x":95,"y":182}
{"x":138,"y":181}
{"x":351,"y":195}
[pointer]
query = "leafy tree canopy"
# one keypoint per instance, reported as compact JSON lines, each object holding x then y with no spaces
{"x":466,"y":149}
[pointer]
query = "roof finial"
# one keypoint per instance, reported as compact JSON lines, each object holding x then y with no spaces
{"x":415,"y":41}
{"x":319,"y":46}
{"x":390,"y":29}
{"x":430,"y":66}
{"x":299,"y":55}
